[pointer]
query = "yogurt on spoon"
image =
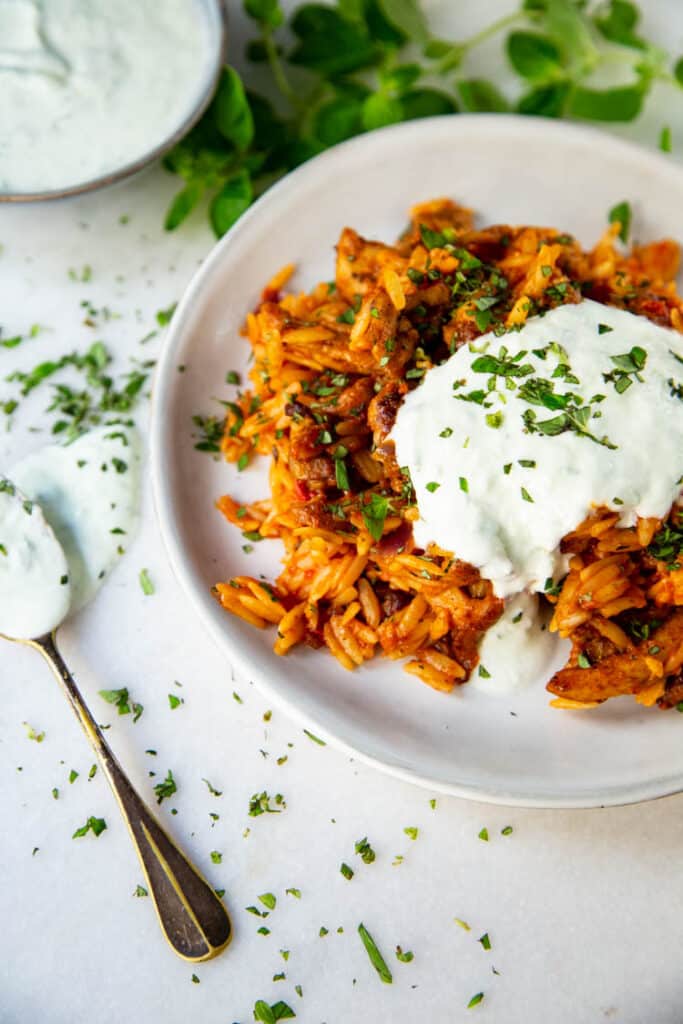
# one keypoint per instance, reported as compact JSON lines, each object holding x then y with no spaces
{"x":84,"y":501}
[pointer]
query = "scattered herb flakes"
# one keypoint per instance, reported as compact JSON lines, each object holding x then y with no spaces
{"x":432,"y":486}
{"x":432,"y":803}
{"x":583,"y":661}
{"x":164,"y":315}
{"x":376,"y":958}
{"x":93,"y":772}
{"x":507,"y":831}
{"x":122,"y":701}
{"x":165,"y":790}
{"x":174,"y":701}
{"x":483,"y":672}
{"x":364,"y":850}
{"x":55,"y":793}
{"x":237,"y":697}
{"x":464,"y":486}
{"x":263,"y":930}
{"x":284,"y":953}
{"x":525,"y":495}
{"x":216,"y":857}
{"x":146,"y":583}
{"x":270,"y":1014}
{"x":406,"y":957}
{"x":462,"y":924}
{"x":140,"y":891}
{"x":73,"y":775}
{"x":374,"y":513}
{"x":412,"y":832}
{"x":260,"y":804}
{"x":195,"y":979}
{"x":268,"y":900}
{"x":212,"y":789}
{"x":32,"y":734}
{"x":621,"y":214}
{"x":475,"y":1000}
{"x":94,"y":825}
{"x":346,"y":871}
{"x":484,"y":835}
{"x":296,"y":893}
{"x":485,"y":941}
{"x":316,"y":739}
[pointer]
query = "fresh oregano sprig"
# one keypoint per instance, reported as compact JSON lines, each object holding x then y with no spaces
{"x":356,"y":65}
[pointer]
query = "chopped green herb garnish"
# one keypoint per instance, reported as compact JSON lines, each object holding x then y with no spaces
{"x":94,"y":825}
{"x":146,"y":583}
{"x":475,"y":1000}
{"x":164,"y":790}
{"x":432,"y":486}
{"x":621,"y":213}
{"x":484,"y":835}
{"x":376,"y":958}
{"x":346,"y":871}
{"x":485,"y":941}
{"x":406,"y":957}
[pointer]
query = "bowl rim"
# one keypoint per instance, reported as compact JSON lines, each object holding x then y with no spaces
{"x":161,"y":457}
{"x":217,"y":10}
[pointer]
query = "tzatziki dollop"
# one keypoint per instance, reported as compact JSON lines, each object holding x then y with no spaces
{"x":90,"y":86}
{"x":35,"y":590}
{"x":501,"y":475}
{"x":515,"y":439}
{"x":89,"y":493}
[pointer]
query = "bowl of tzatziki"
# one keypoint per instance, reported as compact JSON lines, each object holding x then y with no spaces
{"x":93,"y":91}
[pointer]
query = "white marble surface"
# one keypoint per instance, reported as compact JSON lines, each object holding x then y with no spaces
{"x":583,"y":909}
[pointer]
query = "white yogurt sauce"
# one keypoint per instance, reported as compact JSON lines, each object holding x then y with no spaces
{"x":89,"y":492}
{"x":35,"y":590}
{"x":89,"y":86}
{"x":516,"y":649}
{"x":500,"y":494}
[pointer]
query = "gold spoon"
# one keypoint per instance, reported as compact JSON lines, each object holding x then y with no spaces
{"x":192,"y":917}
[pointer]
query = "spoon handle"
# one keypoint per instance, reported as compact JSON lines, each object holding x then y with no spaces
{"x":192,"y":917}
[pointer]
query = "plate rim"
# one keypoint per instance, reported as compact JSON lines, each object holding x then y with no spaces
{"x":159,"y":453}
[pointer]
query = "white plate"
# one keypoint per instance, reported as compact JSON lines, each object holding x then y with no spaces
{"x":512,"y":749}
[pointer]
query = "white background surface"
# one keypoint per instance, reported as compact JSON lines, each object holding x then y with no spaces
{"x":583,"y":909}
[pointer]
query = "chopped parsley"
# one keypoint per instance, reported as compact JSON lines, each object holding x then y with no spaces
{"x":364,"y":850}
{"x":485,"y":941}
{"x":165,"y":789}
{"x":346,"y":871}
{"x":374,"y":513}
{"x":376,"y":958}
{"x":260,"y":804}
{"x":268,"y":900}
{"x":145,"y":583}
{"x":475,"y":1000}
{"x":484,"y":835}
{"x":406,"y":957}
{"x":628,"y":367}
{"x":464,"y":486}
{"x":432,"y":486}
{"x":667,"y":543}
{"x":122,"y":701}
{"x":621,"y":214}
{"x":411,"y":831}
{"x":94,"y":825}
